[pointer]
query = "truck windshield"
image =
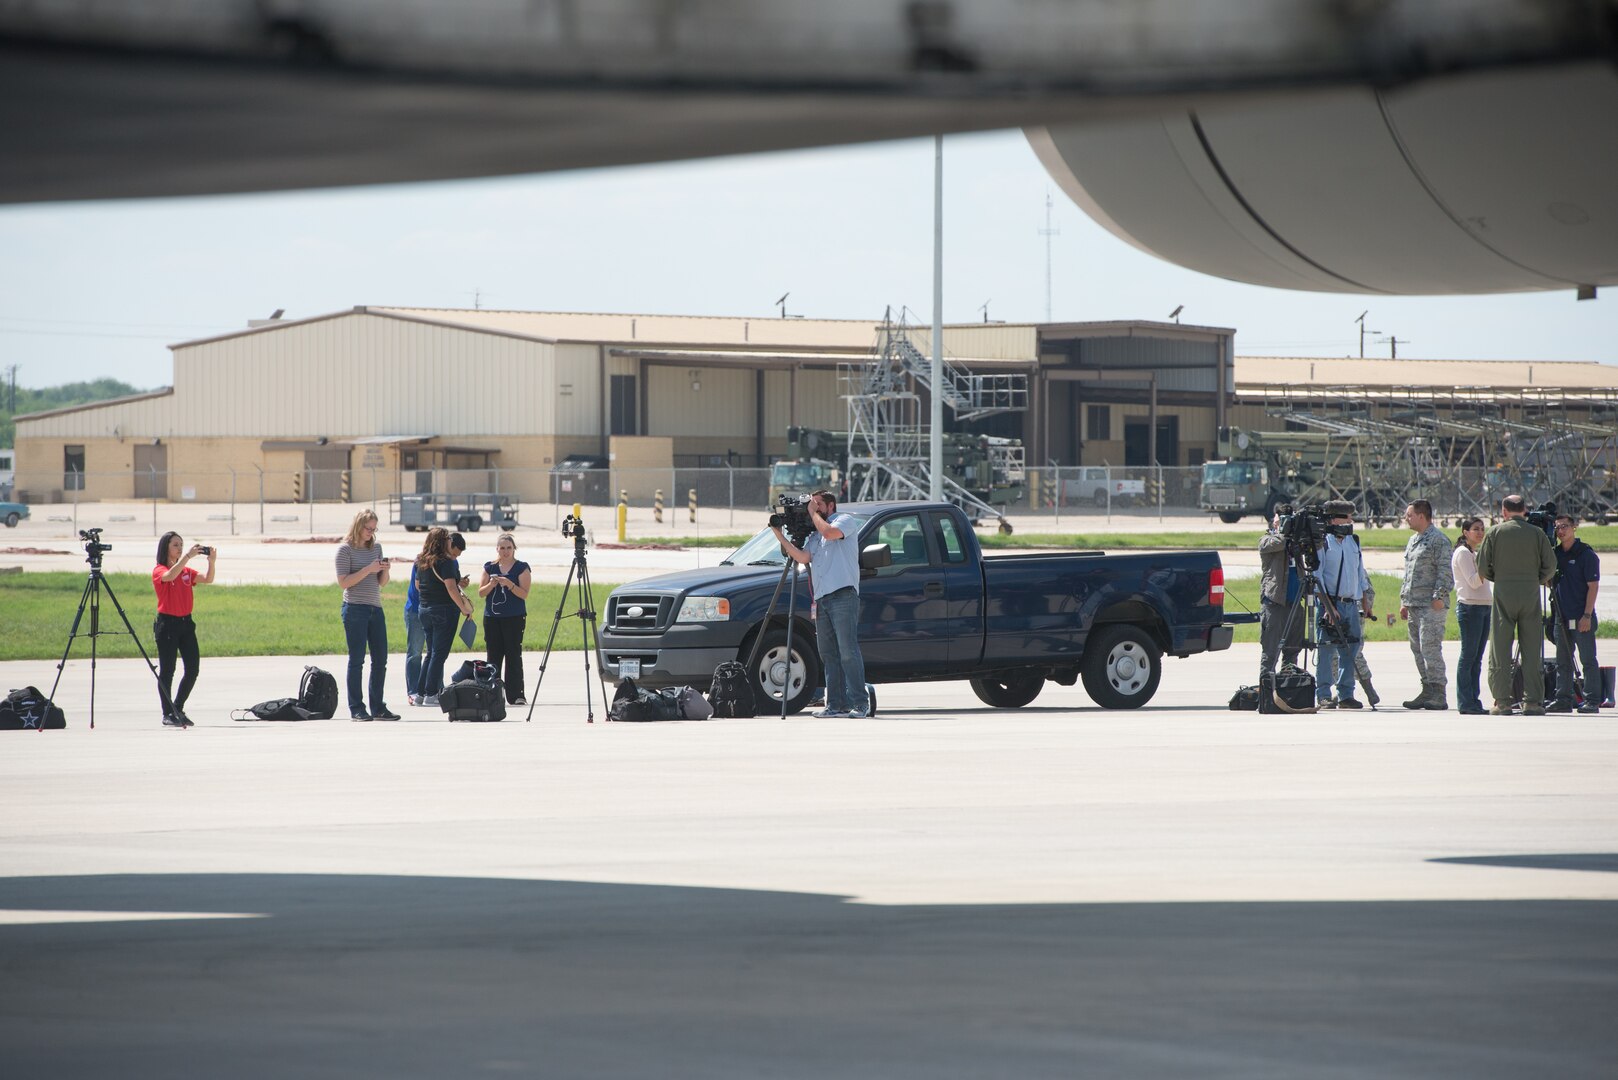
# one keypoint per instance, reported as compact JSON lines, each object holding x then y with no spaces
{"x":1230,"y":472}
{"x":762,"y":550}
{"x":798,"y":475}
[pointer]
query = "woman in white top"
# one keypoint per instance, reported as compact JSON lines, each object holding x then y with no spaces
{"x":1472,"y":612}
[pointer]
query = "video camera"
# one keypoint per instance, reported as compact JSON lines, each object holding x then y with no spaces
{"x":93,"y":547}
{"x":1305,"y":530}
{"x":793,"y":518}
{"x":573,"y":528}
{"x":1544,"y":518}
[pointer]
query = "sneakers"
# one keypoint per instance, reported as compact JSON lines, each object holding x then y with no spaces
{"x":430,"y":701}
{"x":832,"y":714}
{"x":1328,"y":703}
{"x":518,"y":700}
{"x":1559,"y":706}
{"x":359,"y":716}
{"x":859,"y":714}
{"x":177,"y":719}
{"x":414,"y":699}
{"x":1349,"y":703}
{"x":384,"y":713}
{"x":1589,"y":708}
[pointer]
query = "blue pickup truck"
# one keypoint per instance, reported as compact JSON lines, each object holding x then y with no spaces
{"x":933,"y":608}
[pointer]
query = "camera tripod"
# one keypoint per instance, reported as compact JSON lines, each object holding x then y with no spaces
{"x":789,"y":571}
{"x":90,"y":601}
{"x":573,"y":527}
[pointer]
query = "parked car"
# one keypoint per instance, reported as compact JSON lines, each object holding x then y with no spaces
{"x":939,"y":610}
{"x":13,"y":512}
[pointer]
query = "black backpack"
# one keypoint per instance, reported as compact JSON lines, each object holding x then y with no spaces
{"x":474,"y":700}
{"x":317,"y":694}
{"x":29,"y":710}
{"x":1245,"y":699}
{"x":731,"y":694}
{"x":278,"y":709}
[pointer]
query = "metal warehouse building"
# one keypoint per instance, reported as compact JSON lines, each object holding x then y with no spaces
{"x":409,"y":399}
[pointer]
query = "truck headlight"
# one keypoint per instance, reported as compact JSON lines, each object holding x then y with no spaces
{"x":704,"y":609}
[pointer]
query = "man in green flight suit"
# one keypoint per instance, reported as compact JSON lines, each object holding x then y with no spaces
{"x":1518,"y":557}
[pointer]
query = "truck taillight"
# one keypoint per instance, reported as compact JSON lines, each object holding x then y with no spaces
{"x":1216,"y":586}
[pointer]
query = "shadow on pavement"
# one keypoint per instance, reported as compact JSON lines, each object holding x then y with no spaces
{"x":1601,"y":862}
{"x":361,"y":976}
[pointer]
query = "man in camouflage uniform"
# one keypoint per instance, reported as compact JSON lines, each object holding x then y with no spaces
{"x":1518,"y":557}
{"x":1424,"y":601}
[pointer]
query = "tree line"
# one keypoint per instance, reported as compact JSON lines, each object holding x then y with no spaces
{"x":33,"y":400}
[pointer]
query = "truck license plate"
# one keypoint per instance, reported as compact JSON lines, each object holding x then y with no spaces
{"x":629,"y":668}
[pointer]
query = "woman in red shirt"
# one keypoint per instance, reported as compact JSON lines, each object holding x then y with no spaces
{"x":176,"y":634}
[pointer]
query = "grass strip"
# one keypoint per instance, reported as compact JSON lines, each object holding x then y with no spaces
{"x":232,"y":620}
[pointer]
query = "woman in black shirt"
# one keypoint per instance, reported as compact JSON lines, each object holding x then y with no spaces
{"x":439,"y":581}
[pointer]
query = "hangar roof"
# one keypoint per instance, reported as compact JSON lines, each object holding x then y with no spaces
{"x":1256,"y":373}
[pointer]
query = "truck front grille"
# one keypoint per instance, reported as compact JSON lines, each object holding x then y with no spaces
{"x":639,"y":613}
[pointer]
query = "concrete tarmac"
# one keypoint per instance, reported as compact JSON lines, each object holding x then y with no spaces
{"x":946,"y":890}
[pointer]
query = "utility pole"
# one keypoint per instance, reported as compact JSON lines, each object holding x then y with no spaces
{"x":1047,"y":232}
{"x":12,"y":372}
{"x":1361,"y":321}
{"x":1393,"y":343}
{"x":935,"y":437}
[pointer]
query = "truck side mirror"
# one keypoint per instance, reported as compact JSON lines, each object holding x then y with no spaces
{"x":873,"y":557}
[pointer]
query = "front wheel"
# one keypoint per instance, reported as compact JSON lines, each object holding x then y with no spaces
{"x":799,"y":672}
{"x":1009,"y":692}
{"x":1229,"y":517}
{"x":1122,"y":667}
{"x":12,"y":519}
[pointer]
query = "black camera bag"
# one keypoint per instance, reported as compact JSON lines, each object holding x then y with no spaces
{"x":29,"y":710}
{"x":731,"y":694}
{"x":474,"y":701}
{"x":1289,"y":690}
{"x":1245,"y":699}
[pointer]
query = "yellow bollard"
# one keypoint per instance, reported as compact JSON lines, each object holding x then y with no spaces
{"x":623,"y":521}
{"x":578,"y":511}
{"x":657,"y":506}
{"x":691,"y":501}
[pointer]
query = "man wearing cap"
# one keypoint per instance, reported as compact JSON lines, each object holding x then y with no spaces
{"x":1343,"y":583}
{"x":1578,"y":579}
{"x":1517,"y":556}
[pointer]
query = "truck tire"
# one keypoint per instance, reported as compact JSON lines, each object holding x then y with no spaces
{"x":1229,"y":517}
{"x":469,"y":523}
{"x":1100,"y":499}
{"x":12,"y":519}
{"x":1122,"y":667}
{"x":1008,"y":692}
{"x":771,"y":665}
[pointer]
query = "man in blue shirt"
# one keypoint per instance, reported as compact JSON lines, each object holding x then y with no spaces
{"x":1578,"y":579}
{"x":1343,"y":585}
{"x":833,"y":558}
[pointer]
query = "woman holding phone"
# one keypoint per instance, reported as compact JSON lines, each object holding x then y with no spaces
{"x":504,"y":588}
{"x":439,"y":581}
{"x":176,"y":634}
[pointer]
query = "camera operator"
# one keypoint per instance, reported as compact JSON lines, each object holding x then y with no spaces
{"x":1344,"y":583}
{"x":1578,"y":579}
{"x":1282,"y":615}
{"x":1424,"y":602}
{"x":833,"y":558}
{"x":1517,"y":557}
{"x":176,"y":634}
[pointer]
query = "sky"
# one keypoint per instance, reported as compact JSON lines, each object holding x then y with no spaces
{"x":101,"y":289}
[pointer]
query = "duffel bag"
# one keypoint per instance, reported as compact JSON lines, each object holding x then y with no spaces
{"x":473,"y":702}
{"x":29,"y":710}
{"x":1289,"y":690}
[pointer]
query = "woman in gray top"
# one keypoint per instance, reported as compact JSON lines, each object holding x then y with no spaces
{"x":362,"y":570}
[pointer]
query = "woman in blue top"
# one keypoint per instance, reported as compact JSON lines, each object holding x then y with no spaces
{"x":504,"y":589}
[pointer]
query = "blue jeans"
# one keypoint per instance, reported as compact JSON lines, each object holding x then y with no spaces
{"x":1567,"y":642}
{"x":415,"y":645}
{"x":366,"y":626}
{"x":1473,"y":620}
{"x":1337,"y":661}
{"x":837,"y":633}
{"x":438,"y":623}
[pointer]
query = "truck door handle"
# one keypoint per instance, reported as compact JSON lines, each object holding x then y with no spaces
{"x":934,"y":588}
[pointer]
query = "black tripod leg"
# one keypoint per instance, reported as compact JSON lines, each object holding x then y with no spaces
{"x":792,"y":611}
{"x":545,"y":658}
{"x":84,"y":600}
{"x":587,"y":626}
{"x":764,"y":627}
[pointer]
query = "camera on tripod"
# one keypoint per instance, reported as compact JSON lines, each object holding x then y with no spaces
{"x":793,"y":518}
{"x":93,"y":547}
{"x":1544,"y":518}
{"x":573,"y":527}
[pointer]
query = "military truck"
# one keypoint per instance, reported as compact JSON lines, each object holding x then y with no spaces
{"x":1256,"y":470}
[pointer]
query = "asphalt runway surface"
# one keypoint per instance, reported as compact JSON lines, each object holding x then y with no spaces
{"x":946,"y":890}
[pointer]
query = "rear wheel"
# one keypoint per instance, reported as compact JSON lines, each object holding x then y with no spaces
{"x":1229,"y":517}
{"x":1008,"y":691}
{"x":799,"y":672}
{"x":470,"y":523}
{"x":12,"y":519}
{"x":1122,"y":667}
